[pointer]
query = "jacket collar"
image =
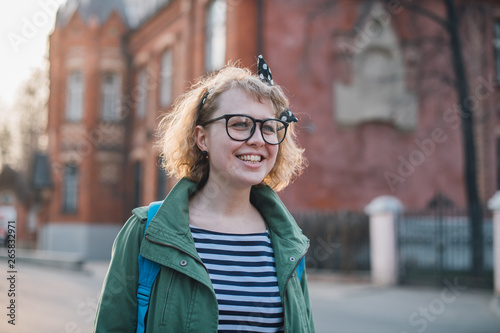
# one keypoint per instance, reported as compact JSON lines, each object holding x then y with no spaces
{"x":170,"y":226}
{"x":173,"y":215}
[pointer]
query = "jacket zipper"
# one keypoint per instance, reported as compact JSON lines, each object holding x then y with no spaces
{"x":286,"y":285}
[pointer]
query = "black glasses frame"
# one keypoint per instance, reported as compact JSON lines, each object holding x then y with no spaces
{"x":252,"y":131}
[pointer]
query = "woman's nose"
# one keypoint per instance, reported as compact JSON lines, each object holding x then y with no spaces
{"x":256,"y":138}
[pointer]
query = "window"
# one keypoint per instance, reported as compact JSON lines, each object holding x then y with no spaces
{"x":74,"y":97}
{"x":497,"y":48}
{"x":70,"y":188}
{"x":141,"y":96}
{"x":137,"y":183}
{"x":161,"y":181}
{"x":215,"y":44}
{"x":498,"y":163}
{"x":110,"y":97}
{"x":166,"y":78}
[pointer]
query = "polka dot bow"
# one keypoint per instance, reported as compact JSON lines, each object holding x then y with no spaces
{"x":288,"y":116}
{"x":264,"y":73}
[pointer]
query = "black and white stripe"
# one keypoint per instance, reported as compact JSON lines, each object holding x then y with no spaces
{"x":243,"y":274}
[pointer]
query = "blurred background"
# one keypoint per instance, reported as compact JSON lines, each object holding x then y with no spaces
{"x":398,"y":113}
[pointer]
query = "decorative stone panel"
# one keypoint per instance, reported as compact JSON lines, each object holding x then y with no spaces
{"x":378,"y":90}
{"x":110,"y":167}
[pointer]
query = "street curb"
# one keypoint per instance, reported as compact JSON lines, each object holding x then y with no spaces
{"x":62,"y":260}
{"x":355,"y":277}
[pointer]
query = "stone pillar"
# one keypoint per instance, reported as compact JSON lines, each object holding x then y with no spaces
{"x":383,"y":211}
{"x":494,"y":205}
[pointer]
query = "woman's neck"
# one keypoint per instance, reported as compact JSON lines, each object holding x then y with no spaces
{"x":225,"y":208}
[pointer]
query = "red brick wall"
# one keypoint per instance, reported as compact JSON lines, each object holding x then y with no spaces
{"x":348,"y":166}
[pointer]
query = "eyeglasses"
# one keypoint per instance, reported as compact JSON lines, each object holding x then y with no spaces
{"x":241,"y":127}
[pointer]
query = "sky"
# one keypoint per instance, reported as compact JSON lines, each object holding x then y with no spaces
{"x":24,"y":29}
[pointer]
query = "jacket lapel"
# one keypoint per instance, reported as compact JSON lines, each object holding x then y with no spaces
{"x":168,"y":238}
{"x":289,"y":244}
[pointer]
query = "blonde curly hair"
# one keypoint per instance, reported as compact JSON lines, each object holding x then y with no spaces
{"x":180,"y":155}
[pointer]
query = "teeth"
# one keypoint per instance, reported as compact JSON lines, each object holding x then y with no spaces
{"x":250,"y":158}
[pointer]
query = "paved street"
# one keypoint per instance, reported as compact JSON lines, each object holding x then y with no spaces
{"x":52,"y":300}
{"x":362,"y":308}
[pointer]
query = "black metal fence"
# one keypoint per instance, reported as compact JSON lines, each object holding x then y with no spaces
{"x":436,"y":245}
{"x":339,"y":240}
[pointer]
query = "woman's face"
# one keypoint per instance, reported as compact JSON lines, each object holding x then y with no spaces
{"x":238,"y":163}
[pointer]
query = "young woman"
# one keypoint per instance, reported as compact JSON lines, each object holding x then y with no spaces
{"x":228,"y":248}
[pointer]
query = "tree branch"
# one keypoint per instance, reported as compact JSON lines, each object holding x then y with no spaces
{"x":425,"y":12}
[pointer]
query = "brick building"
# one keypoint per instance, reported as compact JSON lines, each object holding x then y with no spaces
{"x":371,"y":83}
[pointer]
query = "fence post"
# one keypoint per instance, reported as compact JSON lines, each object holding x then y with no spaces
{"x":383,"y":211}
{"x":494,"y":205}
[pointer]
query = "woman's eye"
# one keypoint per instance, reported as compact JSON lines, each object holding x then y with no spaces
{"x":268,"y":129}
{"x":241,"y":125}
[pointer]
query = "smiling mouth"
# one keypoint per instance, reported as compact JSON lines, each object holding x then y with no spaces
{"x":250,"y":158}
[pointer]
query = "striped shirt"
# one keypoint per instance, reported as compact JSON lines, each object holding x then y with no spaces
{"x":243,"y":274}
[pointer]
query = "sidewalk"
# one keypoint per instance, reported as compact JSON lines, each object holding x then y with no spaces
{"x":364,"y":308}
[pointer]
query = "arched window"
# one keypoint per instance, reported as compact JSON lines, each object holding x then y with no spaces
{"x":74,"y":96}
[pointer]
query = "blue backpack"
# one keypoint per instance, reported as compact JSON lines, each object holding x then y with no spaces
{"x":148,"y":270}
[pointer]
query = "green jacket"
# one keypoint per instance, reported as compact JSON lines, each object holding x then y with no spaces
{"x":182,"y":298}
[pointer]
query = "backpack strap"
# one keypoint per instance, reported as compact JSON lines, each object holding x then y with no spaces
{"x":148,"y":270}
{"x":300,"y":268}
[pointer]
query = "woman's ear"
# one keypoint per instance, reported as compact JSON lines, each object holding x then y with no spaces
{"x":201,"y":136}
